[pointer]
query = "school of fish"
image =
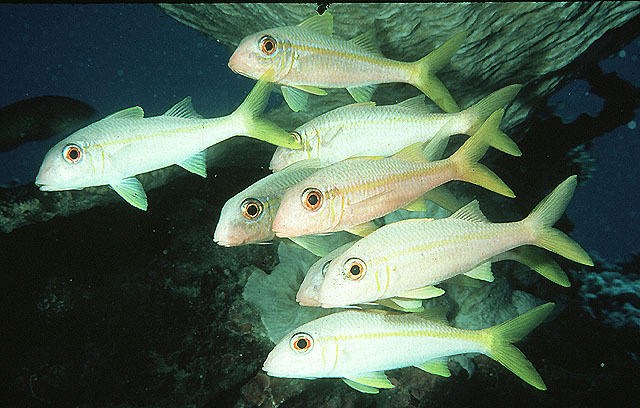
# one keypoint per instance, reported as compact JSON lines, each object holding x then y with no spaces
{"x":341,"y":171}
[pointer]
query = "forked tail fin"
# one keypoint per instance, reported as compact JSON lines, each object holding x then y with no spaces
{"x":465,"y":159}
{"x":425,"y":69}
{"x":547,"y":213}
{"x":499,"y":338}
{"x":257,"y":127}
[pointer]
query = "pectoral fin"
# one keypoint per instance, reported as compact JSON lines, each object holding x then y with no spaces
{"x":295,"y":98}
{"x":403,"y":305}
{"x":132,"y":191}
{"x":196,"y":164}
{"x":423,"y":293}
{"x":368,"y":382}
{"x":363,"y":229}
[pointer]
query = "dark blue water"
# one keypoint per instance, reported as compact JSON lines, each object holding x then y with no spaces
{"x":116,"y":56}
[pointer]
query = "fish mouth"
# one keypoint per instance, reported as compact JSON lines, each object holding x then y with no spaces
{"x":45,"y":187}
{"x":307,"y":301}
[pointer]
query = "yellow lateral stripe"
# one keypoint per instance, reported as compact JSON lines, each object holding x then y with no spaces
{"x":425,"y":246}
{"x":452,"y":333}
{"x":400,"y":177}
{"x":145,"y":136}
{"x":345,"y":55}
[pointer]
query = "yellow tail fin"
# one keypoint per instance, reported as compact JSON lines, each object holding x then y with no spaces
{"x":540,"y":261}
{"x":465,"y":159}
{"x":500,"y":337}
{"x":547,"y":213}
{"x":425,"y":69}
{"x":479,"y":112}
{"x":259,"y":128}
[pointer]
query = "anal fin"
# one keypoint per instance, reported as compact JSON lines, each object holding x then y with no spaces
{"x":362,"y":93}
{"x":482,"y":272}
{"x":196,"y":164}
{"x":437,"y":367}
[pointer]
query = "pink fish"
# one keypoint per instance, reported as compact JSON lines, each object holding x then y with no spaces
{"x":307,"y":57}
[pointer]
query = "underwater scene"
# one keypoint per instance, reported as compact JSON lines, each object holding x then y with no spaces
{"x":320,"y":205}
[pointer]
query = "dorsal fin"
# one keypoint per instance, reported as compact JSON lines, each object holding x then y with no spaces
{"x":320,"y":23}
{"x":470,"y":212}
{"x":183,"y":109}
{"x":367,"y":41}
{"x":415,"y":104}
{"x":411,"y":153}
{"x":135,"y":112}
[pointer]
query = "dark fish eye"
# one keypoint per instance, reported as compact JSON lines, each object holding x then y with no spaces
{"x":312,"y":199}
{"x":251,"y":208}
{"x":301,"y":342}
{"x":72,"y":153}
{"x":267,"y":45}
{"x":355,"y":268}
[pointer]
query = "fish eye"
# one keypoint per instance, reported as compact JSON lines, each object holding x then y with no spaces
{"x":355,"y":268}
{"x":251,"y":209}
{"x":72,"y":153}
{"x":296,"y":136}
{"x":267,"y":45}
{"x":301,"y":342}
{"x":312,"y":199}
{"x":325,"y":267}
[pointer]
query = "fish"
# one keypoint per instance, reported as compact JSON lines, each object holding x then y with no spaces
{"x":535,"y":258}
{"x":359,"y":345}
{"x":307,"y":294}
{"x":406,"y":258}
{"x":349,"y":194}
{"x":247,"y":217}
{"x":365,"y":129}
{"x":113,"y":150}
{"x":41,"y":118}
{"x":307,"y":58}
